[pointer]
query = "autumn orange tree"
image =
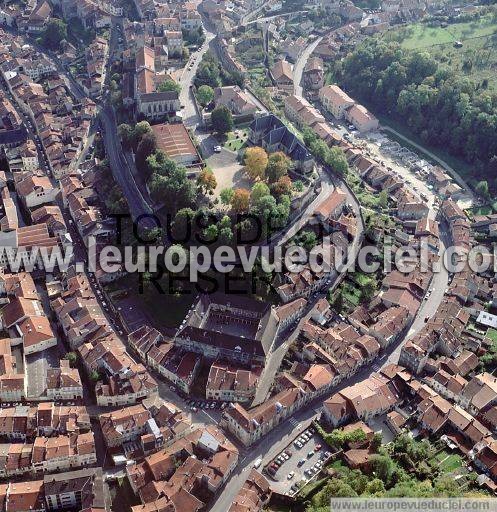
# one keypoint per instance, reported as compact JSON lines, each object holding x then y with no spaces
{"x":206,"y":180}
{"x":282,"y":186}
{"x":256,"y":161}
{"x":241,"y":200}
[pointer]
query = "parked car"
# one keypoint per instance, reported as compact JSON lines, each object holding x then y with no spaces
{"x":290,"y":475}
{"x":217,"y":149}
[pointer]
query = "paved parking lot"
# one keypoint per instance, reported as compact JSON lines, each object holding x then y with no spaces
{"x":302,"y":465}
{"x":379,"y":424}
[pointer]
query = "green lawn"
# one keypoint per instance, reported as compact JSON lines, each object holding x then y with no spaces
{"x":361,"y":279}
{"x":476,"y":59}
{"x":448,"y":462}
{"x":420,"y":35}
{"x":236,"y":140}
{"x":492,"y":334}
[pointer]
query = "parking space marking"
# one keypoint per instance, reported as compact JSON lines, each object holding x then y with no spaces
{"x":209,"y":416}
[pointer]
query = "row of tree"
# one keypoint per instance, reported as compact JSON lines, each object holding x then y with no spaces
{"x":444,"y":109}
{"x":333,"y":157}
{"x":261,"y":166}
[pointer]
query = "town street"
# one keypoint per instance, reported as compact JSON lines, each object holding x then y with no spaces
{"x":191,"y":118}
{"x":299,"y":67}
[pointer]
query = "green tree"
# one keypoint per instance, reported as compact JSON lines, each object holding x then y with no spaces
{"x":222,"y":120}
{"x":54,"y":33}
{"x":376,"y":442}
{"x":159,"y":163}
{"x":298,"y":186}
{"x":307,"y":239}
{"x":147,"y":146}
{"x":383,"y":467}
{"x":170,"y":185}
{"x":125,"y":132}
{"x":225,"y":230}
{"x":383,"y":199}
{"x":182,"y":227}
{"x":194,"y":37}
{"x":259,"y":190}
{"x":139,"y":131}
{"x":375,"y":487}
{"x":205,"y":95}
{"x":277,"y":166}
{"x":337,"y":302}
{"x":482,"y":189}
{"x":208,"y":71}
{"x":72,"y":357}
{"x":211,"y":233}
{"x":337,"y":161}
{"x":368,"y":289}
{"x":169,"y":85}
{"x":339,"y":489}
{"x":226,"y":195}
{"x":94,"y":376}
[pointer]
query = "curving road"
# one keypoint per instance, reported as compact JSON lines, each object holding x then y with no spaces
{"x":299,"y":67}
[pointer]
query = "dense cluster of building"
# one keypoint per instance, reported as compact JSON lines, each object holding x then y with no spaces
{"x":228,"y":338}
{"x":145,"y":427}
{"x":188,"y":472}
{"x":45,"y":438}
{"x":62,"y":123}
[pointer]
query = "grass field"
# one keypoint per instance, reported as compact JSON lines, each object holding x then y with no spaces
{"x":236,"y":140}
{"x":420,"y":35}
{"x":476,"y":59}
{"x":448,"y":462}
